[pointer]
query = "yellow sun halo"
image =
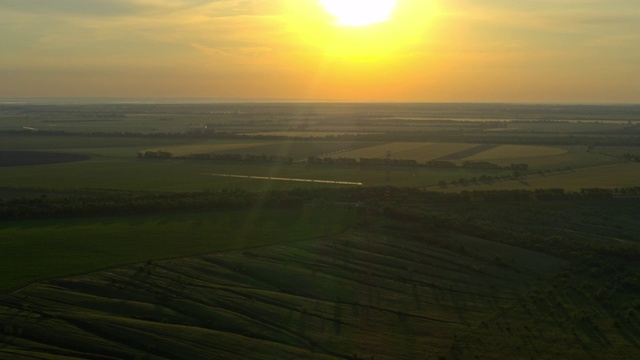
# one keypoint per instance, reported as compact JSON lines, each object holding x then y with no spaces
{"x":359,"y":12}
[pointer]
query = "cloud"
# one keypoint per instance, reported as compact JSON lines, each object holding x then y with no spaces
{"x":249,"y":45}
{"x":80,"y":22}
{"x":549,"y":15}
{"x":81,"y":7}
{"x":101,"y":8}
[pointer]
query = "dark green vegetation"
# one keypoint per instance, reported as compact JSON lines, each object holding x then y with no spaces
{"x":33,"y":250}
{"x":219,"y":252}
{"x":443,"y":278}
{"x":26,"y":158}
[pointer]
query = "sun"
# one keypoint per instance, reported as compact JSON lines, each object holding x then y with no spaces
{"x":359,"y":12}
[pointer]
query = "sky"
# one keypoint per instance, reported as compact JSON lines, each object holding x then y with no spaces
{"x":557,"y":51}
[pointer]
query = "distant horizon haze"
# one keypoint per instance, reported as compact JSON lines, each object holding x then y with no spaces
{"x":213,"y":101}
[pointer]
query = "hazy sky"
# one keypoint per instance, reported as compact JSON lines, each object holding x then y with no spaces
{"x":434,"y":51}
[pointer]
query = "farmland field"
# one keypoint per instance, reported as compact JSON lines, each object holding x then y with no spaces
{"x":26,"y":158}
{"x":385,"y":289}
{"x":77,"y":245}
{"x":604,"y":176}
{"x":298,"y":150}
{"x":515,"y":152}
{"x":208,"y":147}
{"x":618,"y":150}
{"x":567,"y":156}
{"x":420,"y":151}
{"x":306,"y":300}
{"x":117,"y":167}
{"x":282,"y":246}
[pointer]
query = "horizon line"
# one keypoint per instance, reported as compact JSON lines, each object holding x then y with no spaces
{"x":91,"y":100}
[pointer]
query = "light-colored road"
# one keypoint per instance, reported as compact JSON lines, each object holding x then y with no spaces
{"x":288,"y":179}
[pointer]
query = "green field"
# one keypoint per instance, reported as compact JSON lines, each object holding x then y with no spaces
{"x":180,"y":175}
{"x":430,"y":287}
{"x":114,"y":163}
{"x":516,"y":153}
{"x":298,"y":150}
{"x":330,"y":299}
{"x":604,"y":176}
{"x":573,"y":156}
{"x":209,"y":147}
{"x":79,"y":245}
{"x":618,"y":150}
{"x":419,"y":151}
{"x":428,"y":151}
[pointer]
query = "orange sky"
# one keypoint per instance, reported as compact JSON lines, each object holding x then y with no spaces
{"x":428,"y":50}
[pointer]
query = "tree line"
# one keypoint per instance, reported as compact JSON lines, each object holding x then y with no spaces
{"x":252,"y":158}
{"x":316,"y":160}
{"x":414,"y":163}
{"x":369,"y":199}
{"x":624,"y":139}
{"x":132,"y":203}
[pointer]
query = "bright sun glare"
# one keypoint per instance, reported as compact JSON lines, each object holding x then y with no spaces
{"x":359,"y":12}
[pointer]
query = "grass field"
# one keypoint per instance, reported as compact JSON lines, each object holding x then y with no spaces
{"x":78,"y":245}
{"x":29,"y":158}
{"x":347,"y":296}
{"x":604,"y":176}
{"x":574,"y":157}
{"x":419,"y":151}
{"x":538,"y":157}
{"x":516,"y":153}
{"x":460,"y":152}
{"x":68,"y":142}
{"x":298,"y":150}
{"x":209,"y":147}
{"x":180,"y":175}
{"x":113,"y":163}
{"x":595,"y":127}
{"x":618,"y":150}
{"x":382,"y":290}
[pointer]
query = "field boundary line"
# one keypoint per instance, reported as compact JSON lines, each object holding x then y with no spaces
{"x":13,"y":291}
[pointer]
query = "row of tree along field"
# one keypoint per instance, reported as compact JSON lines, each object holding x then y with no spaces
{"x":361,"y":198}
{"x":590,"y":140}
{"x":130,"y":203}
{"x":218,"y":157}
{"x":316,"y":160}
{"x":414,"y":163}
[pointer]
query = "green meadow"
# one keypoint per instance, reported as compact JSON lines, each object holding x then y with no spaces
{"x":441,"y":283}
{"x":38,"y":249}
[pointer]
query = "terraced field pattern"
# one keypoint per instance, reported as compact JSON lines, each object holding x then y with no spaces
{"x":33,"y":250}
{"x":391,"y":293}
